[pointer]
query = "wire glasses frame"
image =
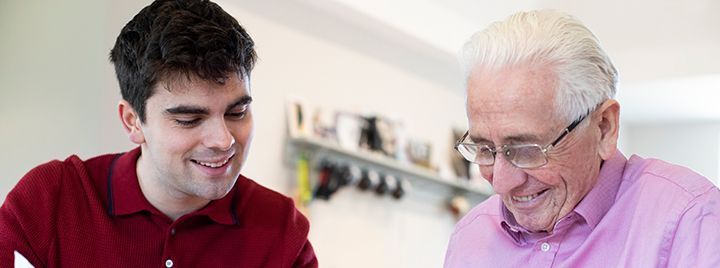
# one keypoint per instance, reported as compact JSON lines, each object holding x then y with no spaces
{"x":525,"y":156}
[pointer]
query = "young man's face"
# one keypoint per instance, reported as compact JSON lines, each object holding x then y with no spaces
{"x":196,"y":137}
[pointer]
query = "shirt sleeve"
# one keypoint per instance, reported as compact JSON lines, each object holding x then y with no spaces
{"x":307,"y":258}
{"x":299,"y":227}
{"x":26,"y":215}
{"x":10,"y":238}
{"x":13,"y":240}
{"x":697,"y":238}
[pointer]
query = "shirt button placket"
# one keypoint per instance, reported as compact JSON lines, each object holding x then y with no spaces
{"x":169,"y":262}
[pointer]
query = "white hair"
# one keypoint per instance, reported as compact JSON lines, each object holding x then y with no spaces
{"x":586,"y":77}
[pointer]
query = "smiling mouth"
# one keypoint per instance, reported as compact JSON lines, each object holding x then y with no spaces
{"x":218,"y":164}
{"x":528,"y":198}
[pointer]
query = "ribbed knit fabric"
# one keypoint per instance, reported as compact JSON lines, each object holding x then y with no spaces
{"x":76,"y":213}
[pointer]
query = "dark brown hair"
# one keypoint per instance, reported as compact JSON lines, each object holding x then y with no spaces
{"x":172,"y":38}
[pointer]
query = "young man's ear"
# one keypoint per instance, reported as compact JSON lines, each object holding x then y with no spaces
{"x":131,"y":122}
{"x":609,"y":127}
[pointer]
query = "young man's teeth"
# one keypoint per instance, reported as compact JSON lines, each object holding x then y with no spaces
{"x":213,"y":165}
{"x":525,"y":198}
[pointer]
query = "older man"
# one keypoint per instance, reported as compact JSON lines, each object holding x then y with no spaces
{"x":543,"y":129}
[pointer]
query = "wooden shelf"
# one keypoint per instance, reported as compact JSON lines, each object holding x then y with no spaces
{"x":418,"y":176}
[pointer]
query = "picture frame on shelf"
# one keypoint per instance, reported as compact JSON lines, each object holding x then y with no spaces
{"x":298,"y":117}
{"x":460,"y":166}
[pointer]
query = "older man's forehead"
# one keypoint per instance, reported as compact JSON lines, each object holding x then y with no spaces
{"x":505,"y":103}
{"x":512,"y":85}
{"x":514,"y":105}
{"x":509,"y":126}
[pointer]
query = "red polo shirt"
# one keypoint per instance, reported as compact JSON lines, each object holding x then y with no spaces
{"x":92,"y":213}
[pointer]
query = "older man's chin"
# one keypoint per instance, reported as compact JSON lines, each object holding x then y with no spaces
{"x":533,"y":222}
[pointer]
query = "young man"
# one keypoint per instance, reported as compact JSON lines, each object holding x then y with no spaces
{"x":544,"y":128}
{"x":179,"y":198}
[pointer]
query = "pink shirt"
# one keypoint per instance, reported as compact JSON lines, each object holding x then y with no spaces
{"x":641,"y":213}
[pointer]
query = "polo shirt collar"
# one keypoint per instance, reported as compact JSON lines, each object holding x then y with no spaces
{"x":592,"y":208}
{"x":125,"y":196}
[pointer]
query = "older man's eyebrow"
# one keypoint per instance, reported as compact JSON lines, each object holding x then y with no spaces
{"x":522,"y":138}
{"x":476,"y":139}
{"x":244,"y":100}
{"x":515,"y":139}
{"x":186,"y":109}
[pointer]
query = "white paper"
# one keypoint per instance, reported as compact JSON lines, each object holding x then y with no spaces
{"x":21,"y":261}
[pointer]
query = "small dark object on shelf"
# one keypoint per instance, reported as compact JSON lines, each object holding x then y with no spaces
{"x":382,"y":186}
{"x":365,"y":182}
{"x":399,"y":191}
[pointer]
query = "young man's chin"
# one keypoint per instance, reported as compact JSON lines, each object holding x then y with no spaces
{"x":215,"y":190}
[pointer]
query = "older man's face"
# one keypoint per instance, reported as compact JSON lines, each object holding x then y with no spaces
{"x":515,"y":105}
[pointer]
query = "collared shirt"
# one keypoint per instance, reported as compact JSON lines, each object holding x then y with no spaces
{"x":640,"y":213}
{"x":93,"y":213}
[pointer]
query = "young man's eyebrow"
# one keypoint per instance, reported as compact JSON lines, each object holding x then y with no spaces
{"x":244,"y":100}
{"x":189,"y":109}
{"x":186,"y":109}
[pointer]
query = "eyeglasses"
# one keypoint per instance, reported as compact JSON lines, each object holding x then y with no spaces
{"x":521,"y":155}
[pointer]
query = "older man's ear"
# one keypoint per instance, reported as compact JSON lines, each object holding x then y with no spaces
{"x":609,"y":126}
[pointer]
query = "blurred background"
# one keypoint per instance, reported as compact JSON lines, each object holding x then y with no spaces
{"x":326,"y":68}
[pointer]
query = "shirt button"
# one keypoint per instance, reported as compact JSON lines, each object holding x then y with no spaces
{"x":168,"y":263}
{"x":545,"y":247}
{"x":172,"y":231}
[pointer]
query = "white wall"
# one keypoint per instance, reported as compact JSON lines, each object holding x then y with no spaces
{"x":692,"y":144}
{"x":353,"y":229}
{"x":52,"y":89}
{"x":58,"y":92}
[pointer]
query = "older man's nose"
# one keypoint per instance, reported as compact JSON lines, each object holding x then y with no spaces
{"x":506,"y":176}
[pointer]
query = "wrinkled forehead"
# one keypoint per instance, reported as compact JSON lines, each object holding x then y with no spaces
{"x":511,"y":101}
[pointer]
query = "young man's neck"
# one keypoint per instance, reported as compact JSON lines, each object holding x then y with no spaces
{"x":172,"y":204}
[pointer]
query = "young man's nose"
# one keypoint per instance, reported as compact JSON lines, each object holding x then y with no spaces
{"x":218,"y":136}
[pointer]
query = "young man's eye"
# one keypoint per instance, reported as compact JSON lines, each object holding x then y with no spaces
{"x":237,"y":115}
{"x":187,"y":123}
